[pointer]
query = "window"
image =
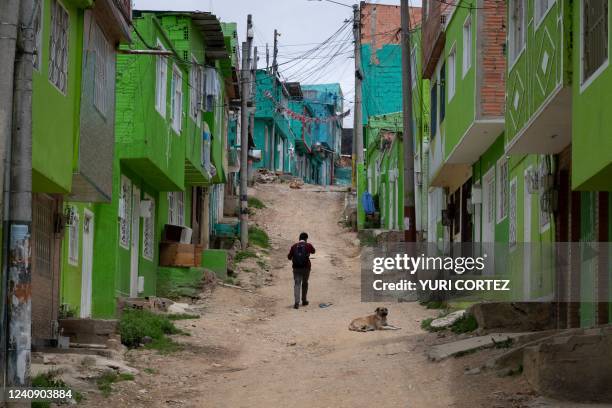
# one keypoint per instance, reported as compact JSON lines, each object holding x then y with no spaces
{"x":125,"y":209}
{"x":413,"y":67}
{"x":594,"y":15}
{"x":176,"y":208}
{"x":442,"y":98}
{"x":452,"y":70}
{"x":148,"y":231}
{"x":502,"y":189}
{"x":512,"y":213}
{"x":176,"y":99}
{"x":37,"y":23}
{"x":467,"y":45}
{"x":434,"y":109}
{"x":103,"y":88}
{"x":541,"y":8}
{"x":195,"y":91}
{"x":58,"y":46}
{"x":161,"y":82}
{"x":516,"y":33}
{"x":73,"y":240}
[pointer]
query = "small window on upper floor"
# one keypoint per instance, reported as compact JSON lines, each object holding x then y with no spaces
{"x":467,"y":45}
{"x":104,"y":62}
{"x":161,"y":81}
{"x":594,"y":16}
{"x":516,"y":31}
{"x":176,"y":99}
{"x":541,"y":8}
{"x":58,"y":46}
{"x":452,"y":73}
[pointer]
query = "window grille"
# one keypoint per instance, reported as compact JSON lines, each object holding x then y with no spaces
{"x":103,"y":71}
{"x":148,"y":232}
{"x":595,"y":36}
{"x":58,"y":46}
{"x":125,"y":209}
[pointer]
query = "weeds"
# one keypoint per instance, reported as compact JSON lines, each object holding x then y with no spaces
{"x":434,"y":304}
{"x":426,"y":325}
{"x":465,"y":324}
{"x":50,"y":380}
{"x":259,"y":237}
{"x":164,"y":345}
{"x":106,"y":381}
{"x":137,"y":324}
{"x":262,"y":264}
{"x":242,"y":255}
{"x":255,"y":202}
{"x":182,"y":316}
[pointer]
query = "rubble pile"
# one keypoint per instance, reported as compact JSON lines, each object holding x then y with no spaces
{"x":266,"y":176}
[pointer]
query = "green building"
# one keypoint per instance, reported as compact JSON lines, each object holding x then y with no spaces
{"x":169,"y":159}
{"x":73,"y":137}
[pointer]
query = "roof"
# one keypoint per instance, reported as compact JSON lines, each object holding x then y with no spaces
{"x":294,"y":89}
{"x":208,"y":24}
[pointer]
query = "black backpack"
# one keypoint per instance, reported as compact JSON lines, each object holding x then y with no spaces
{"x":300,"y":255}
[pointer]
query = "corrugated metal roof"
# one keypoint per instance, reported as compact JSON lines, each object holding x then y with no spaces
{"x":210,"y":27}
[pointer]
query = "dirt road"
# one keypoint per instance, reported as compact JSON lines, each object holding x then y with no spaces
{"x":252,"y":349}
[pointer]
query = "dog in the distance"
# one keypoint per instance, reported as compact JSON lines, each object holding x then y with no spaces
{"x":376,"y":321}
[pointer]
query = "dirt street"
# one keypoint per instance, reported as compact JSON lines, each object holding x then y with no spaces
{"x":252,"y":349}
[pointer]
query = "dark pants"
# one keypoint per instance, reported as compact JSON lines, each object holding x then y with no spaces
{"x":300,"y":278}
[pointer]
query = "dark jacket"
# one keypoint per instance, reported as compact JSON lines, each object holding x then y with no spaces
{"x":309,"y":248}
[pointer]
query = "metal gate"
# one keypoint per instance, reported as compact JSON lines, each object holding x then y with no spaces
{"x":45,"y":267}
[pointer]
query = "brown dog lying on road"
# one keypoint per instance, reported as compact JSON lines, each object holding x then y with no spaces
{"x":377,"y":321}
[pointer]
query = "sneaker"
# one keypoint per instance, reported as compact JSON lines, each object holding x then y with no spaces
{"x":296,"y":306}
{"x":304,"y":303}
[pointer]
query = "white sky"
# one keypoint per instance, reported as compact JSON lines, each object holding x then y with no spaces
{"x":302,"y":24}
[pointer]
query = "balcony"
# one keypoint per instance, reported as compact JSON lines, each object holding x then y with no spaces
{"x":538,"y":92}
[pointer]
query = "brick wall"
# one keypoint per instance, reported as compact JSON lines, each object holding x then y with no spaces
{"x":492,"y":39}
{"x":381,"y":23}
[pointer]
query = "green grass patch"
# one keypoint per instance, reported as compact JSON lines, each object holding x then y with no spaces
{"x":165,"y":345}
{"x":259,"y":237}
{"x":262,"y":264}
{"x":434,"y":304}
{"x":426,"y":325}
{"x":466,"y":324}
{"x":50,"y":380}
{"x":106,"y":381}
{"x":255,"y":202}
{"x":137,"y":324}
{"x":182,"y":316}
{"x":242,"y":255}
{"x":151,"y":371}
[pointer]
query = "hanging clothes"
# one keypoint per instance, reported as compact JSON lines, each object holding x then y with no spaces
{"x":212,"y":88}
{"x":368,"y":203}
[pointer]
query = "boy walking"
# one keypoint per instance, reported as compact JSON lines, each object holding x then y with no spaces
{"x":299,"y":255}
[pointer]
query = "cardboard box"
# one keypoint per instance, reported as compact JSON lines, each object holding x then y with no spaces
{"x":177,"y":254}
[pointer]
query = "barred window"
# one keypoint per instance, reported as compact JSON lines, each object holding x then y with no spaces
{"x":195,"y":91}
{"x":148,"y":231}
{"x":161,"y":81}
{"x":594,"y":36}
{"x":502,"y":189}
{"x":516,"y":32}
{"x":73,"y":240}
{"x":125,"y":209}
{"x":176,"y":208}
{"x":176,"y":101}
{"x":512,"y":221}
{"x":37,"y":23}
{"x":58,"y":46}
{"x":103,"y":71}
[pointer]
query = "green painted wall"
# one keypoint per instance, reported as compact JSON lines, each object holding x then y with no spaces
{"x":541,"y":69}
{"x":591,"y":110}
{"x":461,"y":108}
{"x":55,"y":123}
{"x":145,"y":140}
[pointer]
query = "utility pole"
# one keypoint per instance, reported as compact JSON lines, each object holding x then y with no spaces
{"x":267,"y":58}
{"x":357,"y":114}
{"x":244,"y":134}
{"x":253,"y":93}
{"x":9,"y":18}
{"x":408,"y":137}
{"x":20,"y":208}
{"x":275,"y":53}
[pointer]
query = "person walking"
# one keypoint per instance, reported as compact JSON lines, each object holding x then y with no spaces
{"x":299,"y":255}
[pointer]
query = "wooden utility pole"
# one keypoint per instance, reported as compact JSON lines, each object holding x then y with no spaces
{"x":245,"y":95}
{"x":267,"y":58}
{"x":357,"y":114}
{"x":407,"y":137}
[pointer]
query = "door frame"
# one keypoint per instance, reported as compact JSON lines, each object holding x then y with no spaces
{"x":135,"y":241}
{"x":87,"y":252}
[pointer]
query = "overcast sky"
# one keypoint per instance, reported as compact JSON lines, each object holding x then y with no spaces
{"x":302,"y":23}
